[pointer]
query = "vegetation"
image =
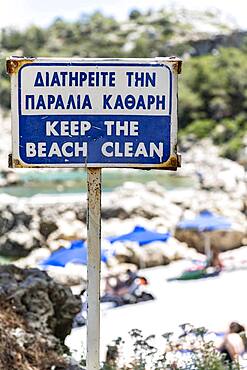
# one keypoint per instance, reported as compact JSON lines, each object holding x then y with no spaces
{"x":213,"y":88}
{"x":192,"y":350}
{"x":213,"y":99}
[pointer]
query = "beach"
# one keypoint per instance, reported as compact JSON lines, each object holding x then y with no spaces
{"x":212,"y":303}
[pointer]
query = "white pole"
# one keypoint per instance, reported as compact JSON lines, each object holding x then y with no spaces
{"x":93,"y":267}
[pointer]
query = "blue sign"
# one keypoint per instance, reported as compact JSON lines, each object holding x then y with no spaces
{"x":94,"y":113}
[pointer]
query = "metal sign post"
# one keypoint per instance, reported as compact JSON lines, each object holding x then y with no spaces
{"x":93,"y":267}
{"x":94,"y":113}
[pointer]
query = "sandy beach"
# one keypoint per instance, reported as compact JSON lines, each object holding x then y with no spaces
{"x":212,"y":302}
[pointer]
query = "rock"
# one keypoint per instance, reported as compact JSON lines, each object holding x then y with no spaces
{"x":134,"y":200}
{"x":115,"y":227}
{"x":19,"y":242}
{"x":129,"y":252}
{"x":174,"y":250}
{"x":211,"y":171}
{"x":236,"y":258}
{"x":69,"y":228}
{"x":22,"y":348}
{"x":18,"y":233}
{"x":123,"y":254}
{"x":47,"y":226}
{"x":57,"y":243}
{"x":34,"y":258}
{"x":153,"y":255}
{"x":145,"y":256}
{"x":35,"y":315}
{"x":7,"y":221}
{"x":23,"y":214}
{"x":12,"y":178}
{"x":222,"y":240}
{"x":3,"y":182}
{"x":70,"y":275}
{"x":47,"y":307}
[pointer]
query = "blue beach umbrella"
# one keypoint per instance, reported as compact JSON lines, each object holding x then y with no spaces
{"x":76,"y":253}
{"x":206,"y":221}
{"x":141,"y":236}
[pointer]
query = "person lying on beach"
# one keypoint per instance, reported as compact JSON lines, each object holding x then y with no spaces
{"x":233,"y":345}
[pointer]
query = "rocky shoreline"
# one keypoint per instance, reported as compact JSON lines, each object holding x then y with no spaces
{"x":42,"y":224}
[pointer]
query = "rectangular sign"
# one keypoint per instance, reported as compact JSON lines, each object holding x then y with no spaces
{"x":95,"y":113}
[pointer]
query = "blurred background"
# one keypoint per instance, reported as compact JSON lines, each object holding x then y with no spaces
{"x":193,"y":271}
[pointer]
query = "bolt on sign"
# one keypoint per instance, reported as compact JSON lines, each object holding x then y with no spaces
{"x":94,"y":112}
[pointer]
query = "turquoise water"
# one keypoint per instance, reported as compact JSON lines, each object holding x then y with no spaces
{"x":54,"y":182}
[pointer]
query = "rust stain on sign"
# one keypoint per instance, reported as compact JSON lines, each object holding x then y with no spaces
{"x":15,"y":163}
{"x":13,"y":64}
{"x":171,"y":164}
{"x":177,"y":66}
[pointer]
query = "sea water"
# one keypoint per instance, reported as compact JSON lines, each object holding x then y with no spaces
{"x":74,"y":181}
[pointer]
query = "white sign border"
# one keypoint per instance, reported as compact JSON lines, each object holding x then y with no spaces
{"x":14,"y":65}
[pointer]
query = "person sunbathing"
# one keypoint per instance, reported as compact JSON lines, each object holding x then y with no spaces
{"x":233,"y":345}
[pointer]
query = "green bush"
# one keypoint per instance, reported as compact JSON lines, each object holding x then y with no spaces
{"x":201,"y":128}
{"x":232,"y":148}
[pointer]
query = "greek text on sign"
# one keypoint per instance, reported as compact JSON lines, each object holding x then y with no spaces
{"x":97,"y":113}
